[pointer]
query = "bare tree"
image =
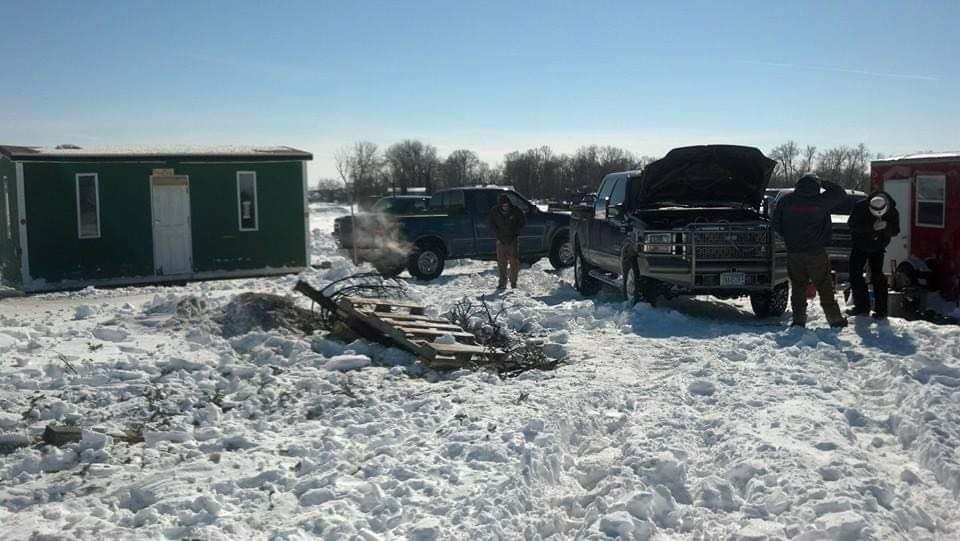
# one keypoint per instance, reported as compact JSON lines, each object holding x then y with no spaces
{"x":808,"y":159}
{"x":848,"y":166}
{"x":462,"y":167}
{"x":359,"y":167}
{"x":329,"y":184}
{"x":785,"y":155}
{"x":412,"y":163}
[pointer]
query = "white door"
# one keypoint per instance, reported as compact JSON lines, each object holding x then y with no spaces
{"x":172,"y":248}
{"x":899,"y":249}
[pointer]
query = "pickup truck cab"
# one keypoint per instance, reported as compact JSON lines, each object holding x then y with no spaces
{"x":688,"y":224}
{"x":455,"y":226}
{"x":399,"y":205}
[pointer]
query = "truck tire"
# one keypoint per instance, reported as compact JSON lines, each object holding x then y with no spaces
{"x":631,"y":286}
{"x":561,"y":252}
{"x":427,"y":261}
{"x":770,"y":303}
{"x":587,"y":285}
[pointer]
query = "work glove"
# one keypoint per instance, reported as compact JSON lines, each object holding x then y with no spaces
{"x":879,"y":225}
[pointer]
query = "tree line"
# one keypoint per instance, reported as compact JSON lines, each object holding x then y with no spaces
{"x":848,"y":166}
{"x":366,"y":170}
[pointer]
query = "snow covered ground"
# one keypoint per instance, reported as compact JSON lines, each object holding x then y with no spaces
{"x":691,"y":420}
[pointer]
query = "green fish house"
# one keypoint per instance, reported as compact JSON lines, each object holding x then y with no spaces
{"x":72,"y":217}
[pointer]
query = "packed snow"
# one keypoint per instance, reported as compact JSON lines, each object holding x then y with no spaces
{"x":690,"y":420}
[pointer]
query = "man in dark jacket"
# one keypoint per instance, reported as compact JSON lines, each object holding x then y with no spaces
{"x":873,"y":222}
{"x":506,"y":221}
{"x":802,"y":218}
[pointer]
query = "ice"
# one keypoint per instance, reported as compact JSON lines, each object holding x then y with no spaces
{"x":85,"y":311}
{"x":111,"y":334}
{"x":688,"y":420}
{"x":345,"y":363}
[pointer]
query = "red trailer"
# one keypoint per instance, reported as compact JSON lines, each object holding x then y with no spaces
{"x":926,"y":188}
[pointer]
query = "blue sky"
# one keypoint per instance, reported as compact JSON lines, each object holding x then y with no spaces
{"x":489,"y":76}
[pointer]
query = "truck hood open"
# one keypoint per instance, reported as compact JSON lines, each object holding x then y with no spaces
{"x":708,"y":174}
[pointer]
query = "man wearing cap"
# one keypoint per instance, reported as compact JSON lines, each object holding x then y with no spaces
{"x":802,"y":218}
{"x":873,"y":222}
{"x":506,"y":221}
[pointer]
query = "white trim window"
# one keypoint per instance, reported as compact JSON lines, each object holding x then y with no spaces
{"x":247,"y":204}
{"x":931,"y":200}
{"x":88,"y":205}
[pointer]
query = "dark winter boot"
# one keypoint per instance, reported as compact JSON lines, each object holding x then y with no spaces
{"x":839,"y":323}
{"x":855,"y":311}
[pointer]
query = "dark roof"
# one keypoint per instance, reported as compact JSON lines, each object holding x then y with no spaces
{"x":71,"y":153}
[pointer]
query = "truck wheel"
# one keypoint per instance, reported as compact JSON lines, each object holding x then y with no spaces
{"x":631,"y":286}
{"x":426,"y":262}
{"x":561,"y":253}
{"x":770,"y":303}
{"x":587,"y":285}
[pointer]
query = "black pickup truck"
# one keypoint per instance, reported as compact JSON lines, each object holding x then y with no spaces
{"x":688,"y":224}
{"x":454,"y":226}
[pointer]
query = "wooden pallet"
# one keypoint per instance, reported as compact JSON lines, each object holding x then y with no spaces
{"x":404,"y":324}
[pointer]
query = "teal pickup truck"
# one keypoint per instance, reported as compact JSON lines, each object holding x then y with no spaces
{"x":454,"y":226}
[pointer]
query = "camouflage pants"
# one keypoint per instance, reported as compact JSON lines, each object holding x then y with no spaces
{"x":508,"y":262}
{"x":813,"y":267}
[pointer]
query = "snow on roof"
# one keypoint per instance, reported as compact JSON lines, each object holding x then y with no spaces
{"x":955,"y":155}
{"x":64,"y":152}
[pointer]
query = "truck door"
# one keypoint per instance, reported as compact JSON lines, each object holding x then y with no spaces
{"x":483,"y":201}
{"x":599,"y":217}
{"x":533,"y":234}
{"x":613,"y":230}
{"x":458,"y":226}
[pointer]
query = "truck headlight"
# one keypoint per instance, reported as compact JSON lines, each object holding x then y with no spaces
{"x":658,"y":243}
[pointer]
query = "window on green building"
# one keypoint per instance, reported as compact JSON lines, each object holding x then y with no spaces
{"x":247,"y":200}
{"x":88,"y":206}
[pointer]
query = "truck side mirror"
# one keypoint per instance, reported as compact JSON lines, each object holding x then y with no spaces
{"x":615,"y":211}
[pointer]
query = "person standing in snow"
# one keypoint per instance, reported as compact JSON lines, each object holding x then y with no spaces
{"x":802,"y":218}
{"x":506,"y":221}
{"x":873,"y":222}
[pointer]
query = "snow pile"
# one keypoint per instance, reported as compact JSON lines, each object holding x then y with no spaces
{"x":691,"y":420}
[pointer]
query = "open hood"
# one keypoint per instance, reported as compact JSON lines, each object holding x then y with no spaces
{"x":705,"y":175}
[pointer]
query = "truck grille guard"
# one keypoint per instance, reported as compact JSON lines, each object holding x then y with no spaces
{"x":707,"y":243}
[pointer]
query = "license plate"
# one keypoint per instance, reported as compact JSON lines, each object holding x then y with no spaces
{"x":733,"y":279}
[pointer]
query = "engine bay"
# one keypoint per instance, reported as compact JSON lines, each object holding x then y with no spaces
{"x":681,"y":218}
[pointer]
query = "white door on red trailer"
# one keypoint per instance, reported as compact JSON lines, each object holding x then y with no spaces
{"x":172,"y":245}
{"x":899,"y":249}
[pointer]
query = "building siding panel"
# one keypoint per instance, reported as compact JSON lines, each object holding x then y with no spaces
{"x":125,"y":247}
{"x":218,"y":243}
{"x":9,"y":239}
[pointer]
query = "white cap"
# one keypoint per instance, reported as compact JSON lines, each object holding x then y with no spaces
{"x":878,"y":205}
